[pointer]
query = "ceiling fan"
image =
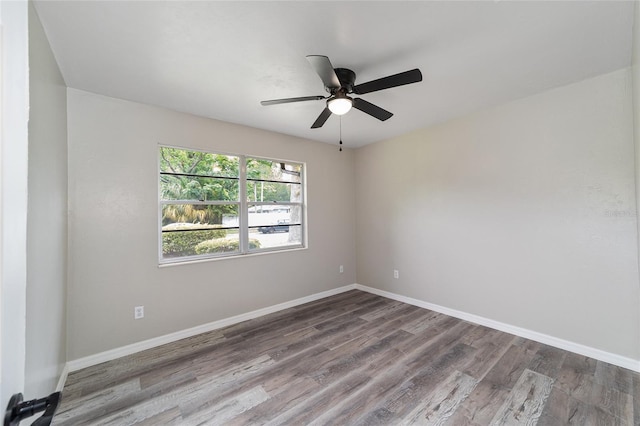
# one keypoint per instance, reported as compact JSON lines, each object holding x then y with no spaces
{"x":340,"y":83}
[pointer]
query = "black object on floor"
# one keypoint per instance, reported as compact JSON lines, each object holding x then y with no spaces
{"x":18,"y":410}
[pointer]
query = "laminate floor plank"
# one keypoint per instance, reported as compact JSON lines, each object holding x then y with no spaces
{"x":611,"y":401}
{"x":327,"y":337}
{"x":170,"y":417}
{"x":384,"y":310}
{"x":349,"y":409}
{"x":281,"y":370}
{"x":509,"y":368}
{"x":438,"y":406}
{"x":305,"y":315}
{"x":487,"y":355}
{"x":201,"y":364}
{"x":100,"y":377}
{"x":530,"y":345}
{"x":69,"y":408}
{"x":576,"y":376}
{"x":431,"y":349}
{"x":398,"y":384}
{"x":480,"y":336}
{"x":339,"y":366}
{"x":411,"y":392}
{"x":525,"y":402}
{"x":563,"y":409}
{"x":390,"y":386}
{"x":197,"y":391}
{"x":354,"y":358}
{"x":547,"y":361}
{"x":294,"y":366}
{"x":430,"y":319}
{"x":337,"y":388}
{"x":618,"y":378}
{"x":480,"y":406}
{"x":385,"y":325}
{"x":636,"y":399}
{"x":282,"y":399}
{"x":122,"y":402}
{"x":225,"y":412}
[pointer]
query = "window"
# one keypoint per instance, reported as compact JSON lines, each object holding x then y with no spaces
{"x":214,"y":205}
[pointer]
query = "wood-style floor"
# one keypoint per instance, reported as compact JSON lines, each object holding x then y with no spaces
{"x":353,"y":359}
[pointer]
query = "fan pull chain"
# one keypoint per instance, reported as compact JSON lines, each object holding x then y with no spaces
{"x":340,"y":133}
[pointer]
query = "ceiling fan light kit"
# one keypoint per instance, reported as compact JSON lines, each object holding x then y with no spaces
{"x":340,"y":82}
{"x":340,"y":105}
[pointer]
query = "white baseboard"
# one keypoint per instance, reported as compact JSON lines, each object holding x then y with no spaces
{"x":112,"y":354}
{"x":63,"y":377}
{"x":621,"y":361}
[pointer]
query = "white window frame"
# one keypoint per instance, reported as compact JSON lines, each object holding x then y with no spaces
{"x":243,"y":210}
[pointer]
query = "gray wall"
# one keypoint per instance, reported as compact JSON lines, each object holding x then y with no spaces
{"x":524,"y":214}
{"x":113,"y":231}
{"x":47,"y":217}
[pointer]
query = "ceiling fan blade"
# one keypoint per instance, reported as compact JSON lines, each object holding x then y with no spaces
{"x":371,"y":109}
{"x":323,"y":67}
{"x":322,"y":118}
{"x":289,"y":100}
{"x":388,"y":82}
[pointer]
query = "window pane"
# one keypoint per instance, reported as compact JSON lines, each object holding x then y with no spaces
{"x":191,"y":229}
{"x":199,"y":242}
{"x":181,"y":161}
{"x":275,"y":236}
{"x":274,"y":214}
{"x":272,"y":170}
{"x":198,"y":188}
{"x":194,"y":216}
{"x":258,"y":191}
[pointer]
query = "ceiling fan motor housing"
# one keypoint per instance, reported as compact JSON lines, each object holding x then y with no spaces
{"x":347,"y":80}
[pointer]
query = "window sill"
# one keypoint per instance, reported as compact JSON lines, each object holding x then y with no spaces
{"x":234,"y":256}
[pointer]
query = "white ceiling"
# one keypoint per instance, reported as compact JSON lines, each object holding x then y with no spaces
{"x":220,"y":59}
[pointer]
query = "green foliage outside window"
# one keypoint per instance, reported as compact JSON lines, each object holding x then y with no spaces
{"x":208,"y":180}
{"x":184,"y":243}
{"x":223,"y":246}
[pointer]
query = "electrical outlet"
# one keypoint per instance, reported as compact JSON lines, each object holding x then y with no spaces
{"x":138,"y":312}
{"x":341,"y":268}
{"x":396,"y":274}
